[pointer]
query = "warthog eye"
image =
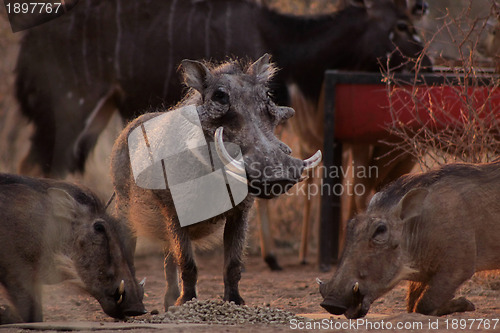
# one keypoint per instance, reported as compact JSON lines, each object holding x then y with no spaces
{"x":220,"y":96}
{"x":380,"y":235}
{"x":402,"y":26}
{"x":99,"y":227}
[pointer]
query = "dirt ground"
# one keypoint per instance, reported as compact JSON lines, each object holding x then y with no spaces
{"x":294,"y":289}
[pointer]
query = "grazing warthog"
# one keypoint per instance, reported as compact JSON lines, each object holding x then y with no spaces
{"x":435,"y":229}
{"x":232,"y":98}
{"x":54,"y":230}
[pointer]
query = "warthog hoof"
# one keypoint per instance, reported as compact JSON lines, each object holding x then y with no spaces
{"x":183,"y":299}
{"x":7,"y":316}
{"x":460,"y":304}
{"x":236,"y":299}
{"x":272,"y":262}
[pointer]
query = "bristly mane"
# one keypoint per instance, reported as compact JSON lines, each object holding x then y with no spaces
{"x":392,"y":193}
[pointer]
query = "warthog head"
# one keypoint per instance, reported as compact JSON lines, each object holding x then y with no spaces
{"x":234,"y":106}
{"x":374,"y":259}
{"x":102,"y":252}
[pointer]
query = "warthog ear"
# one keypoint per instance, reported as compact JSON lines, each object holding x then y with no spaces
{"x":375,"y":199}
{"x":262,"y":69}
{"x":196,"y":74}
{"x":411,"y":204}
{"x":64,"y":206}
{"x":282,"y":113}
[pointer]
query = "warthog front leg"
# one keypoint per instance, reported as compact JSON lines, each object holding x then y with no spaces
{"x":460,"y":304}
{"x":234,"y":242}
{"x":9,"y":315}
{"x":26,"y":298}
{"x":181,"y":248}
{"x":437,"y":299}
{"x":415,"y":290}
{"x":172,"y":278}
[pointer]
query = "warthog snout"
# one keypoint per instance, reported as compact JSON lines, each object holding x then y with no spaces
{"x":137,"y":308}
{"x":270,"y":169}
{"x":131,"y":308}
{"x":351,"y":303}
{"x":126,"y":300}
{"x":330,"y":306}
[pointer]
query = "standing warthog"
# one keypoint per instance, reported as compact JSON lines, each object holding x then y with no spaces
{"x":54,"y":230}
{"x":434,"y":229}
{"x":233,"y":105}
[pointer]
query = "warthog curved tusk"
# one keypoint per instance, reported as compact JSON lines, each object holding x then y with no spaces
{"x":355,"y":289}
{"x":233,"y":165}
{"x":303,"y":177}
{"x":120,"y":300}
{"x":313,"y":161}
{"x":121,"y":288}
{"x":143,"y":282}
{"x":318,"y":281}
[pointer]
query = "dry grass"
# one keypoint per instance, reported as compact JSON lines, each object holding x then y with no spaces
{"x":488,"y":279}
{"x":457,"y":122}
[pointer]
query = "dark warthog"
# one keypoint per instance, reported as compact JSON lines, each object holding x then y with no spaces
{"x":235,"y":99}
{"x":74,"y":71}
{"x":54,"y":230}
{"x":435,"y":229}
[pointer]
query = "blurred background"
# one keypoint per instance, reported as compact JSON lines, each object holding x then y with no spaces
{"x":456,"y":32}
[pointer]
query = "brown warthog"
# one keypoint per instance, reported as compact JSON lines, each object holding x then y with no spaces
{"x":434,"y":229}
{"x":54,"y":230}
{"x":233,"y":105}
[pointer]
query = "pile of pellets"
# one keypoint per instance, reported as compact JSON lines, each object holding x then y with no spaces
{"x":221,"y":313}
